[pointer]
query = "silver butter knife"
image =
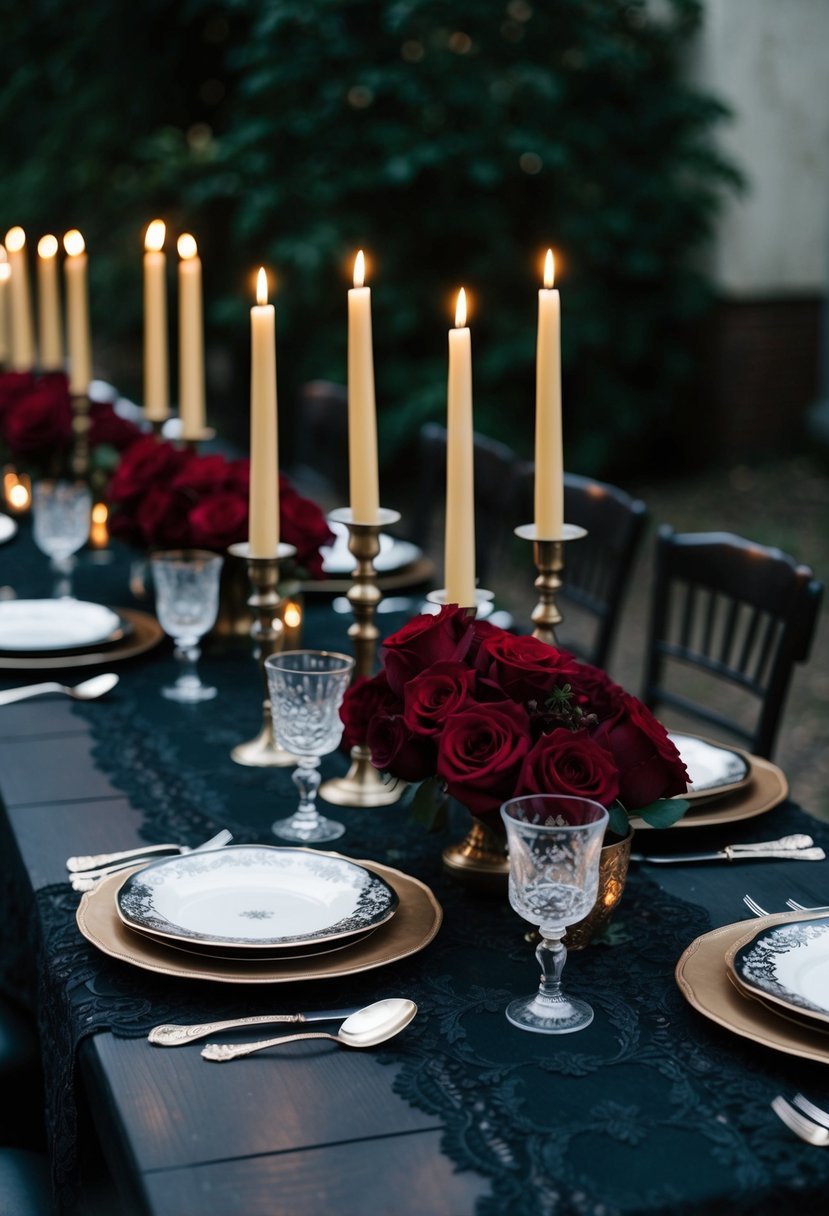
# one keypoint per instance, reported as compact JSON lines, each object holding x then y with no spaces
{"x":177,"y":1036}
{"x":789,"y":848}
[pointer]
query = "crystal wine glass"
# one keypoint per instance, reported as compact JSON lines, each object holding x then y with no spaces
{"x":187,"y":604}
{"x":62,"y":511}
{"x":306,"y":691}
{"x":555,"y":845}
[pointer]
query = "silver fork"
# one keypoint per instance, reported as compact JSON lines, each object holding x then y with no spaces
{"x":90,"y":878}
{"x":799,"y":1124}
{"x":753,"y":906}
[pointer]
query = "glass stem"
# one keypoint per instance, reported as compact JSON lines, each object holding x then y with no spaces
{"x":187,"y":656}
{"x":306,"y":778}
{"x":551,"y":955}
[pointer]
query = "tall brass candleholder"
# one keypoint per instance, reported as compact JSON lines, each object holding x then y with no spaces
{"x":266,"y":631}
{"x":548,"y":555}
{"x":362,"y":785}
{"x":79,"y":459}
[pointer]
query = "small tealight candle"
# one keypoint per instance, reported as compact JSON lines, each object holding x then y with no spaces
{"x":292,"y":624}
{"x":98,"y":531}
{"x":17,"y":491}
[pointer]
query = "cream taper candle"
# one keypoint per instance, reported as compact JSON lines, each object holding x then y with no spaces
{"x":22,"y":333}
{"x":156,"y":358}
{"x":459,"y":553}
{"x":79,"y":343}
{"x":191,"y":339}
{"x":5,"y":276}
{"x":549,"y":459}
{"x":48,"y":305}
{"x":363,"y":479}
{"x":263,"y":530}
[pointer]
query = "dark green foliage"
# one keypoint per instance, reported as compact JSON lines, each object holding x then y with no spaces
{"x":453,"y":141}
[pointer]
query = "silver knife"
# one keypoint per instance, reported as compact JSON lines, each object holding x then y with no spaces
{"x":790,"y":848}
{"x":177,"y":1036}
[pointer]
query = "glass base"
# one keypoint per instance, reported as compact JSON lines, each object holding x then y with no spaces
{"x":307,"y":833}
{"x":546,"y":1015}
{"x":189,"y":694}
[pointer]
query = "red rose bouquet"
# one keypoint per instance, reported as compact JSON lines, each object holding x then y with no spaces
{"x":36,"y":426}
{"x":164,"y":497}
{"x":463,"y":707}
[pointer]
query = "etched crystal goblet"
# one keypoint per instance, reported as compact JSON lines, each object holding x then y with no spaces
{"x":62,"y":512}
{"x":306,"y":691}
{"x":187,"y":604}
{"x":555,"y":844}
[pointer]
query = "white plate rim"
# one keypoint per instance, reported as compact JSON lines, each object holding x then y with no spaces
{"x":780,"y":995}
{"x":725,"y":787}
{"x":110,"y":623}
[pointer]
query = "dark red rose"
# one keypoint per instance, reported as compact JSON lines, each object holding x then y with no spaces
{"x":238,"y":476}
{"x":595,"y":692}
{"x":526,"y":668}
{"x":107,"y":427}
{"x":219,"y":521}
{"x":395,"y":750}
{"x":303,"y":525}
{"x":40,"y":421}
{"x":204,"y":475}
{"x":649,"y":765}
{"x":432,"y":696}
{"x":481,"y":752}
{"x":364,"y":699}
{"x":14,"y":386}
{"x":570,"y":762}
{"x":161,"y":518}
{"x":424,"y":640}
{"x":147,"y":462}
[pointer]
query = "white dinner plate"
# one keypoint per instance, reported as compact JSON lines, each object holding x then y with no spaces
{"x":788,"y":965}
{"x":713,"y":769}
{"x":8,"y":528}
{"x":255,"y":897}
{"x":394,"y":554}
{"x":59,"y":624}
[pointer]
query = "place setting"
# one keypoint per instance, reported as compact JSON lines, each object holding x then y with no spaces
{"x":258,"y":914}
{"x":767,"y":981}
{"x":726,"y":784}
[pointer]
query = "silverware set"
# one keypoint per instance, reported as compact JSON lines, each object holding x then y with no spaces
{"x":86,"y":871}
{"x":809,"y":1122}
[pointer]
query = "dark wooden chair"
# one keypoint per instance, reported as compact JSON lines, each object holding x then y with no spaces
{"x":737,"y":612}
{"x":597,"y":567}
{"x":494,"y":463}
{"x":320,"y":465}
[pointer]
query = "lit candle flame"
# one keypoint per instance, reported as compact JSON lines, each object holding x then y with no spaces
{"x":154,"y":240}
{"x":18,"y":497}
{"x":15,"y":239}
{"x":47,"y":246}
{"x":74,"y":243}
{"x":292,"y":615}
{"x":186,"y":246}
{"x":99,"y":513}
{"x":460,"y":310}
{"x":359,"y":269}
{"x":261,"y":286}
{"x":549,"y":269}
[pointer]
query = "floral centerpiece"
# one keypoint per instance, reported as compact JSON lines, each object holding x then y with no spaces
{"x":463,"y":708}
{"x":166,"y":497}
{"x":36,"y":427}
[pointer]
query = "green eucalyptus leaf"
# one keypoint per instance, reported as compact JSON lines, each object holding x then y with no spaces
{"x":428,"y":805}
{"x":664,"y":812}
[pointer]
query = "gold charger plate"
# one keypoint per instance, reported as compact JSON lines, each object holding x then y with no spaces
{"x":144,"y":633}
{"x":414,"y":925}
{"x":767,"y":788}
{"x":703,"y":980}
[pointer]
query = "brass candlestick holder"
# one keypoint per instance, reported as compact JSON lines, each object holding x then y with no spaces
{"x":548,"y":555}
{"x":267,"y":633}
{"x":79,"y":459}
{"x":362,"y":785}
